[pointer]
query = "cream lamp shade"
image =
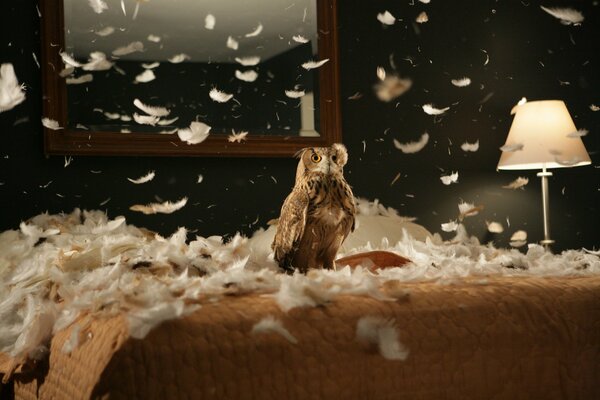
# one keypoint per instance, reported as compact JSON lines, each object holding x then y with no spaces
{"x":543,"y":136}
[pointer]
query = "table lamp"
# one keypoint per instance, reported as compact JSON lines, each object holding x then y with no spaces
{"x":543,"y":136}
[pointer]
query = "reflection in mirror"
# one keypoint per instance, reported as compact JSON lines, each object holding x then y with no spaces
{"x":237,"y":66}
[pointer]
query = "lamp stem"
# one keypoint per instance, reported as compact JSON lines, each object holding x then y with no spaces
{"x":545,"y":206}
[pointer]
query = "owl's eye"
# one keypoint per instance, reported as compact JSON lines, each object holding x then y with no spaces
{"x":315,"y":158}
{"x":334,"y":158}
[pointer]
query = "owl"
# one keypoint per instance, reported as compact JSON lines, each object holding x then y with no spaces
{"x":317,"y":216}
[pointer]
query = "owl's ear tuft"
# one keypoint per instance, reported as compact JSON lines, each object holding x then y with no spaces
{"x":300,"y":152}
{"x":341,"y":153}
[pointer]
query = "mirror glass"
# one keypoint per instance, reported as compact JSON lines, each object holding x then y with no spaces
{"x":237,"y":66}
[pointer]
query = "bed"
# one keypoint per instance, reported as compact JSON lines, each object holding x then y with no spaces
{"x":461,"y":320}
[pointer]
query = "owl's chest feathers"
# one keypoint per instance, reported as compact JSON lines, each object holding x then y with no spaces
{"x":326,"y":200}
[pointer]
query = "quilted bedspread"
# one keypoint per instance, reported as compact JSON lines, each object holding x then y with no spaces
{"x":497,"y":338}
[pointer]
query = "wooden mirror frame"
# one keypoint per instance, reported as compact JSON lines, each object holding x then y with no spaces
{"x":71,"y":142}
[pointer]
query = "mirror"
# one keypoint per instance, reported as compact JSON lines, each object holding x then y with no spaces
{"x":188,"y":77}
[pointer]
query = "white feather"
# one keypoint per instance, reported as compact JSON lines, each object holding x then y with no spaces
{"x":196,"y":133}
{"x":11,"y":92}
{"x":69,"y":60}
{"x":163,"y":208}
{"x":299,"y":39}
{"x":151,"y":65}
{"x":209,"y":22}
{"x":179,"y":58}
{"x":412,"y":147}
{"x":165,"y":122}
{"x":85,"y":78}
{"x":578,"y":133}
{"x":248,"y":61}
{"x":494,"y":227}
{"x":143,"y":179}
{"x":256,"y":31}
{"x":219,"y":96}
{"x":269,"y":324}
{"x":381,"y":332}
{"x":232,"y":43}
{"x":449,"y":179}
{"x":450,"y":226}
{"x":567,"y":16}
{"x":467,"y":209}
{"x":132,"y":47}
{"x":150,"y":110}
{"x":146,"y":76}
{"x":392,"y":87}
{"x":594,"y":107}
{"x":314,"y":64}
{"x":386,"y":18}
{"x":237,"y":137}
{"x":466,"y":146}
{"x":98,"y":6}
{"x":246,"y":76}
{"x":512,"y":147}
{"x":106,"y":31}
{"x":518,"y":236}
{"x":517,"y":183}
{"x":462,"y":82}
{"x":422,"y":18}
{"x":51,"y":124}
{"x":431,"y":110}
{"x":145,"y":119}
{"x":381,"y":73}
{"x":153,"y":38}
{"x":294,"y":94}
{"x":97,"y":62}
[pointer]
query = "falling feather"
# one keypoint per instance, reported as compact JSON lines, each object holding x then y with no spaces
{"x":132,"y":47}
{"x":98,"y":6}
{"x":145,"y":119}
{"x":450,"y":226}
{"x":151,"y":65}
{"x":51,"y":124}
{"x":200,"y":178}
{"x":517,"y":183}
{"x":196,"y":133}
{"x":232,"y":43}
{"x":594,"y":107}
{"x":165,"y":122}
{"x":153,"y":38}
{"x":467,"y":209}
{"x":97,"y":62}
{"x":106,"y":31}
{"x":314,"y":64}
{"x":412,"y":147}
{"x":494,"y":227}
{"x":519,"y":103}
{"x":160,"y":208}
{"x":219,"y":96}
{"x":567,"y":16}
{"x":381,"y":73}
{"x":392,"y":87}
{"x":237,"y":137}
{"x":179,"y":58}
{"x":143,"y":179}
{"x":294,"y":94}
{"x":299,"y":39}
{"x":69,"y":60}
{"x":271,"y":325}
{"x":80,"y":79}
{"x":246,"y":76}
{"x":209,"y":22}
{"x":11,"y":92}
{"x":248,"y":61}
{"x":431,"y":110}
{"x":422,"y":18}
{"x":449,"y":179}
{"x":466,"y":146}
{"x":383,"y":333}
{"x":146,"y":76}
{"x":386,"y":18}
{"x":578,"y":133}
{"x":256,"y":31}
{"x":462,"y":82}
{"x":150,"y":110}
{"x":512,"y":147}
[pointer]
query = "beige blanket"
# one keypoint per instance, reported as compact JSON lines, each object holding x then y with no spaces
{"x":498,"y":338}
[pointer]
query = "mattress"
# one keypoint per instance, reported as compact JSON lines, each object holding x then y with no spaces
{"x":477,"y":338}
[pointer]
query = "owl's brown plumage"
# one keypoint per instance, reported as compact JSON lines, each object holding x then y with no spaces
{"x":318,"y":214}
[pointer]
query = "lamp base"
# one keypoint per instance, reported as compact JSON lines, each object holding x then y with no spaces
{"x":546,"y":242}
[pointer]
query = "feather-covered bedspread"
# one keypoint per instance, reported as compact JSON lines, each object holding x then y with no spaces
{"x":64,"y":273}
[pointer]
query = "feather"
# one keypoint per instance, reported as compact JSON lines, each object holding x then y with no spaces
{"x":392,"y":87}
{"x":165,"y":122}
{"x":69,"y":60}
{"x":467,"y":209}
{"x":237,"y":137}
{"x":422,"y":18}
{"x":449,"y":179}
{"x":517,"y":183}
{"x":51,"y":124}
{"x":512,"y":147}
{"x":386,"y":18}
{"x":425,"y":1}
{"x":151,"y":65}
{"x":256,"y":31}
{"x":269,"y":324}
{"x":98,"y":6}
{"x":163,"y":208}
{"x":97,"y":62}
{"x":462,"y":82}
{"x":431,"y":110}
{"x":146,"y":76}
{"x":314,"y":64}
{"x":145,"y":119}
{"x":299,"y":39}
{"x":150,"y":110}
{"x":11,"y":93}
{"x":132,"y":47}
{"x":466,"y":146}
{"x":381,"y":332}
{"x":179,"y":58}
{"x":219,"y":96}
{"x":518,"y":236}
{"x":153,"y":38}
{"x":248,"y":61}
{"x":200,"y":178}
{"x":494,"y":227}
{"x":381,"y":73}
{"x":519,"y":103}
{"x":232,"y":43}
{"x":246,"y":76}
{"x":106,"y":31}
{"x":578,"y":133}
{"x":450,"y":226}
{"x":85,"y":78}
{"x":209,"y":22}
{"x":196,"y":133}
{"x":594,"y":107}
{"x":294,"y":94}
{"x":412,"y":147}
{"x":143,"y":179}
{"x":567,"y":16}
